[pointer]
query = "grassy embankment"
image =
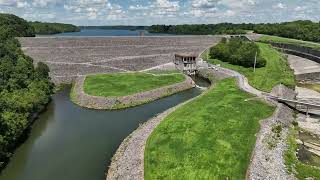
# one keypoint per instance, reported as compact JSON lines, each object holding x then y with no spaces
{"x":276,"y":71}
{"x":277,"y":39}
{"x":211,"y":137}
{"x":123,"y":84}
{"x":301,"y":170}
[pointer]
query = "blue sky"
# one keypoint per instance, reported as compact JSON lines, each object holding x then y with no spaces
{"x":147,"y":12}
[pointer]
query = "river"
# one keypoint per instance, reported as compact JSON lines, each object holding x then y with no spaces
{"x":69,"y":142}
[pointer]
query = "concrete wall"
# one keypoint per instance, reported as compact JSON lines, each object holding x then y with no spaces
{"x":304,"y":52}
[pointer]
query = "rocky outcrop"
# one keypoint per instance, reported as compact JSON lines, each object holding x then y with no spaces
{"x":283,"y":92}
{"x":98,"y":102}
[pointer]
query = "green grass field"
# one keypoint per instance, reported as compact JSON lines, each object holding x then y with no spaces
{"x":122,"y":84}
{"x":211,"y":137}
{"x":275,"y":72}
{"x":277,"y":39}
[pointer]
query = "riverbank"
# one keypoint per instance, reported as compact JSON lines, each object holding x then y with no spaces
{"x":24,"y":135}
{"x":80,"y":97}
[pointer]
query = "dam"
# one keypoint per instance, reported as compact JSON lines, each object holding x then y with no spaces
{"x":69,"y":57}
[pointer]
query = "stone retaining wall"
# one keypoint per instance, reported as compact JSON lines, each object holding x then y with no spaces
{"x":98,"y":102}
{"x":309,"y":77}
{"x":300,"y":51}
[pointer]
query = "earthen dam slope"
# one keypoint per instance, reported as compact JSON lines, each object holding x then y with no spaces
{"x":69,"y":57}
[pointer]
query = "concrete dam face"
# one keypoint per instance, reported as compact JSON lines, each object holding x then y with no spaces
{"x":70,"y":57}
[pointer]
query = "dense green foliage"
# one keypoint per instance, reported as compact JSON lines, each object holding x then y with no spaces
{"x":201,"y":29}
{"x":268,"y":39}
{"x":211,"y":137}
{"x":238,"y":52}
{"x":277,"y":70}
{"x":11,"y":26}
{"x":302,"y":30}
{"x":24,"y":89}
{"x":122,"y":84}
{"x":43,"y":28}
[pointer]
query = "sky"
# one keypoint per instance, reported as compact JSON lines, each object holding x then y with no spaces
{"x":148,"y":12}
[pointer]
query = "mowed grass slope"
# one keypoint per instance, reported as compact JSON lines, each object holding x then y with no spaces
{"x":122,"y":84}
{"x":211,"y":137}
{"x":277,"y":39}
{"x":276,"y":71}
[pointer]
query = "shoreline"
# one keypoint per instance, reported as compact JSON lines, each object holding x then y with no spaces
{"x":25,"y":133}
{"x":79,"y":97}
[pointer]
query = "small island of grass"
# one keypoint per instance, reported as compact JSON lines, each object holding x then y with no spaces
{"x":123,"y":90}
{"x":123,"y":84}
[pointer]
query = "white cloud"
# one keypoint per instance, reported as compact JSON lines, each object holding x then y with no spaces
{"x":300,"y":8}
{"x":41,"y":3}
{"x":138,"y":7}
{"x":22,"y":4}
{"x":95,"y":9}
{"x":279,"y":6}
{"x":233,"y":4}
{"x":203,"y":4}
{"x":164,"y":8}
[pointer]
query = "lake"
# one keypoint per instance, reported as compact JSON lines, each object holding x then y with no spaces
{"x":105,"y":32}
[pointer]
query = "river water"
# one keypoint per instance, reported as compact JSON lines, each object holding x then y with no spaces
{"x":69,"y":142}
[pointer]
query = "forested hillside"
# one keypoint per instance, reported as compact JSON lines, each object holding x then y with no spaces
{"x":43,"y":28}
{"x":11,"y":25}
{"x":24,"y":89}
{"x":302,"y":30}
{"x":201,"y":29}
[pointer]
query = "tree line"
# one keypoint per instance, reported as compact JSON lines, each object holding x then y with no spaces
{"x":201,"y":29}
{"x":24,"y":89}
{"x":302,"y":30}
{"x":44,"y":28}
